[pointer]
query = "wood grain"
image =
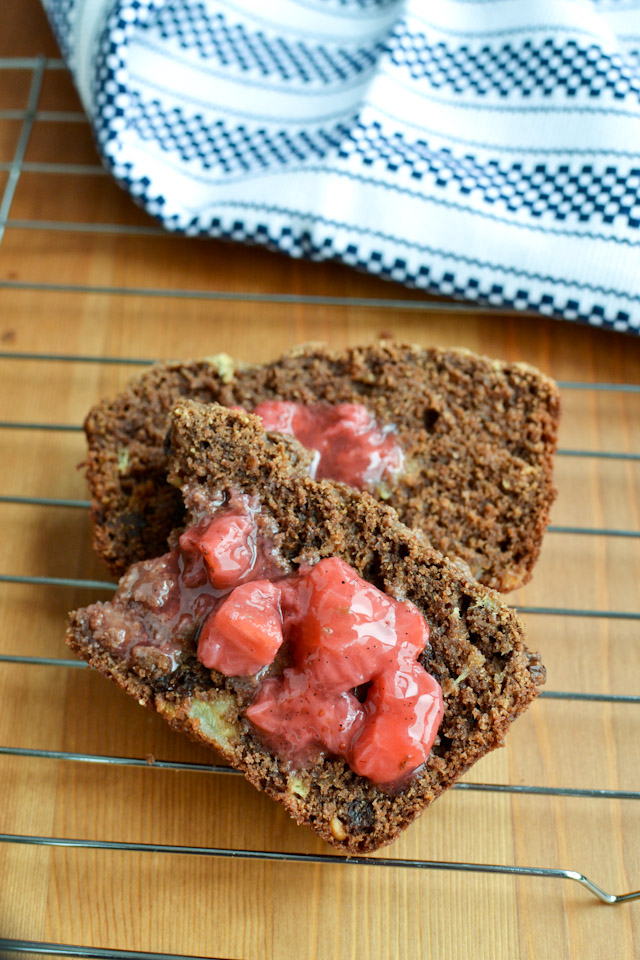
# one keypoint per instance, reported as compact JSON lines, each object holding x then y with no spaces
{"x":220,"y":907}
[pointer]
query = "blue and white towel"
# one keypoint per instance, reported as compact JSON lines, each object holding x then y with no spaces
{"x":485,"y":149}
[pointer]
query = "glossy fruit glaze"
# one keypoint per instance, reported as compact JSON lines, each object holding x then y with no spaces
{"x":347,"y":681}
{"x":351,"y":446}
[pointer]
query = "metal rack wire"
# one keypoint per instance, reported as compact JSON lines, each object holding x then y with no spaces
{"x":29,"y":116}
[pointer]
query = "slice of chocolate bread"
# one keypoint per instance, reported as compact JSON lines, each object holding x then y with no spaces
{"x":478,"y":437}
{"x":476,"y":646}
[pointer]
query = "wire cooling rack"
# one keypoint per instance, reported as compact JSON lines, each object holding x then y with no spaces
{"x":14,"y":168}
{"x":24,"y":946}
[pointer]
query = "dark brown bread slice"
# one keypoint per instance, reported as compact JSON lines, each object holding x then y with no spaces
{"x":479,"y":437}
{"x":476,"y":650}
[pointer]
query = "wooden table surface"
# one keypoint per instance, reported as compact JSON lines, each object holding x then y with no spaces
{"x":73,"y":249}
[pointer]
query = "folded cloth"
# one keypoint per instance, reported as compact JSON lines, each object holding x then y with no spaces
{"x":484,"y":149}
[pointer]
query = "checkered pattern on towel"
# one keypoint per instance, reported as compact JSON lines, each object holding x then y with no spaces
{"x":485,"y":149}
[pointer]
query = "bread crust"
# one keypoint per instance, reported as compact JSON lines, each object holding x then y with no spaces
{"x":479,"y":437}
{"x":476,"y":650}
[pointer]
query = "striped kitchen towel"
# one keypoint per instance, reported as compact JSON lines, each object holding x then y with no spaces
{"x":484,"y":149}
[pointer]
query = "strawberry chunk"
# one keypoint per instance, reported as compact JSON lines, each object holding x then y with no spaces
{"x":245,"y":633}
{"x":351,"y":446}
{"x":301,"y":720}
{"x":404,"y":709}
{"x":227,"y":545}
{"x":348,"y":634}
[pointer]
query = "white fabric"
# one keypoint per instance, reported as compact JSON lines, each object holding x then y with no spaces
{"x":486,"y":149}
